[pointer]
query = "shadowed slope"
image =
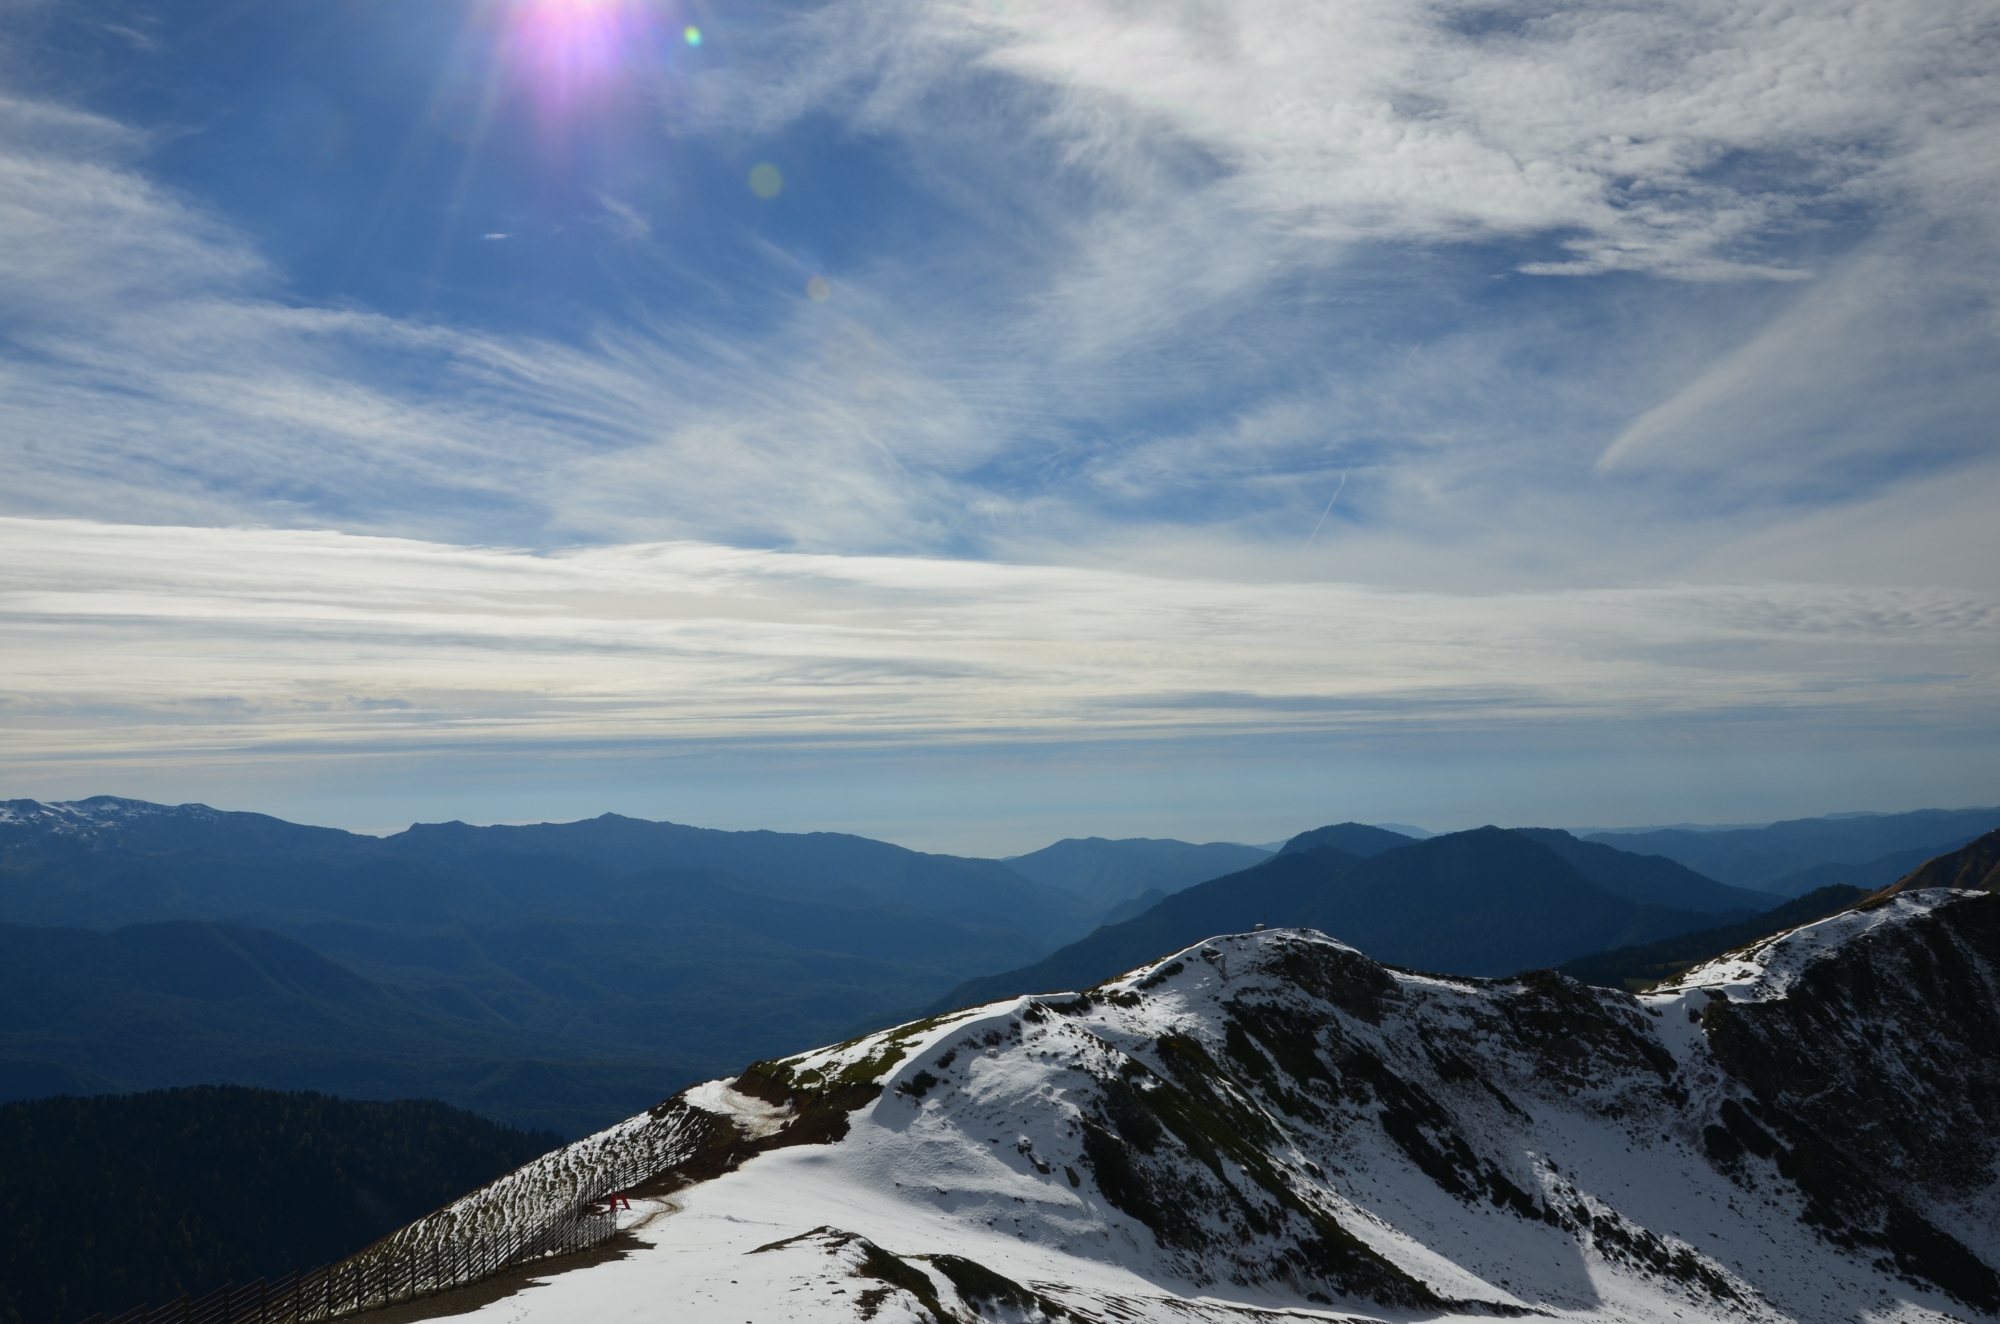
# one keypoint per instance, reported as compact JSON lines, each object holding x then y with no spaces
{"x":216,"y":1185}
{"x":1484,"y":902}
{"x":1760,"y":857}
{"x":1974,"y":867}
{"x":1634,"y":968}
{"x":188,"y":1003}
{"x":1652,"y":880}
{"x":1106,"y":873}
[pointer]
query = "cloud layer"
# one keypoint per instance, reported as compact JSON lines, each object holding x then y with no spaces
{"x":128,"y":640}
{"x":1683,"y":138}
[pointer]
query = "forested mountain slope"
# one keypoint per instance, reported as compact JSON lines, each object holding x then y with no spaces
{"x":191,"y":1003}
{"x":108,"y":1202}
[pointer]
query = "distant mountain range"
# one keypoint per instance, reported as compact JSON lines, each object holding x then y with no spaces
{"x":559,"y":975}
{"x":1109,"y":873}
{"x":486,"y":956}
{"x":1797,"y":856}
{"x":1486,"y":902}
{"x":107,"y":861}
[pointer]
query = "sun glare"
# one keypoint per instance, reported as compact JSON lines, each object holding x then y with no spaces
{"x":570,"y":51}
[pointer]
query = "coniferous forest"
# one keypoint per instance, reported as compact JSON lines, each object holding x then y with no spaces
{"x":111,"y":1201}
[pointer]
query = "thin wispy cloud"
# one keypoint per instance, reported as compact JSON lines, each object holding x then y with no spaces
{"x":1239,"y":156}
{"x":156,"y":373}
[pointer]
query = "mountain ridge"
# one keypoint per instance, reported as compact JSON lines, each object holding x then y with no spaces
{"x":1633,"y":968}
{"x":1755,"y":857}
{"x":1272,"y":1121}
{"x":190,"y":1002}
{"x":76,"y":833}
{"x":1359,"y":840}
{"x":1461,"y":927}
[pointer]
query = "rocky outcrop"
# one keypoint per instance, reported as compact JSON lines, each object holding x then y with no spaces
{"x":1875,"y":1088}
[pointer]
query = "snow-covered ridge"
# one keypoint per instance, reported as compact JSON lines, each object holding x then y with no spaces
{"x":1768,"y":967}
{"x":83,"y":817}
{"x":1273,"y":1122}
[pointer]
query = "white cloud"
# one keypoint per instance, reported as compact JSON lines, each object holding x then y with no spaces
{"x":1889,"y":360}
{"x":620,"y":217}
{"x":287,"y":640}
{"x":1208,"y":189}
{"x":1664,"y":137}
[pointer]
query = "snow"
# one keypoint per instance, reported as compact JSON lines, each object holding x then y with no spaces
{"x":980,"y":1163}
{"x":1768,"y":967}
{"x":85,"y":818}
{"x":753,"y":1117}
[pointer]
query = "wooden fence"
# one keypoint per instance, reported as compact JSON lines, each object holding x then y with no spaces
{"x":373,"y":1278}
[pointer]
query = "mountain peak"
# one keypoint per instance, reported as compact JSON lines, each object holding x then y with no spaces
{"x":1357,"y":839}
{"x":1272,"y":1120}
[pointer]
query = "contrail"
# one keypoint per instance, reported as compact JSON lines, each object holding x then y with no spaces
{"x":1329,"y":507}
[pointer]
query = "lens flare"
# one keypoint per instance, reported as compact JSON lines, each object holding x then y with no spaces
{"x":692,"y":35}
{"x":818,"y":290}
{"x":568,"y":52}
{"x":766,"y":181}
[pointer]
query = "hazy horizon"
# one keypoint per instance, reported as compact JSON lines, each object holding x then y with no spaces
{"x":946,"y":844}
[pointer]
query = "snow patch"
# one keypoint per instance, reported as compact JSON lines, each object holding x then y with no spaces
{"x":753,"y":1117}
{"x":1770,"y":966}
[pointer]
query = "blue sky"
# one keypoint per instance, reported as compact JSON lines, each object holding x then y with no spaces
{"x":976,"y":423}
